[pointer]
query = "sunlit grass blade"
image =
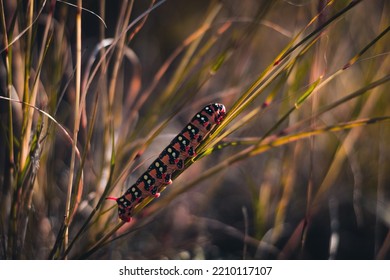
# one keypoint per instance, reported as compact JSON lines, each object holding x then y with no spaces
{"x":264,"y":146}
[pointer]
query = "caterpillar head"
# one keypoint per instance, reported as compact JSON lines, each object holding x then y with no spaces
{"x":217,"y":110}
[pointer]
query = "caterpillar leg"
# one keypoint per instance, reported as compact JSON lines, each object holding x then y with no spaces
{"x":154,"y":194}
{"x":179,"y":163}
{"x":190,"y":151}
{"x":166,"y":178}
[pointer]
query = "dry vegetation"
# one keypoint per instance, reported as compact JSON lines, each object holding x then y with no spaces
{"x":299,"y":168}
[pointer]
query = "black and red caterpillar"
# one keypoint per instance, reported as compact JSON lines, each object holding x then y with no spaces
{"x":172,"y":158}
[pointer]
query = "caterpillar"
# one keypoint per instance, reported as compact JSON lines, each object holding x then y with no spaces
{"x":171,"y":159}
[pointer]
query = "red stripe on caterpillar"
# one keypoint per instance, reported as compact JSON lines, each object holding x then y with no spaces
{"x":171,"y":159}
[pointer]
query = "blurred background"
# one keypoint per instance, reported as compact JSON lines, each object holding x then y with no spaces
{"x":305,"y":83}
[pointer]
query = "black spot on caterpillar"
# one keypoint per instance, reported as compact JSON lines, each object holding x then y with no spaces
{"x":171,"y":159}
